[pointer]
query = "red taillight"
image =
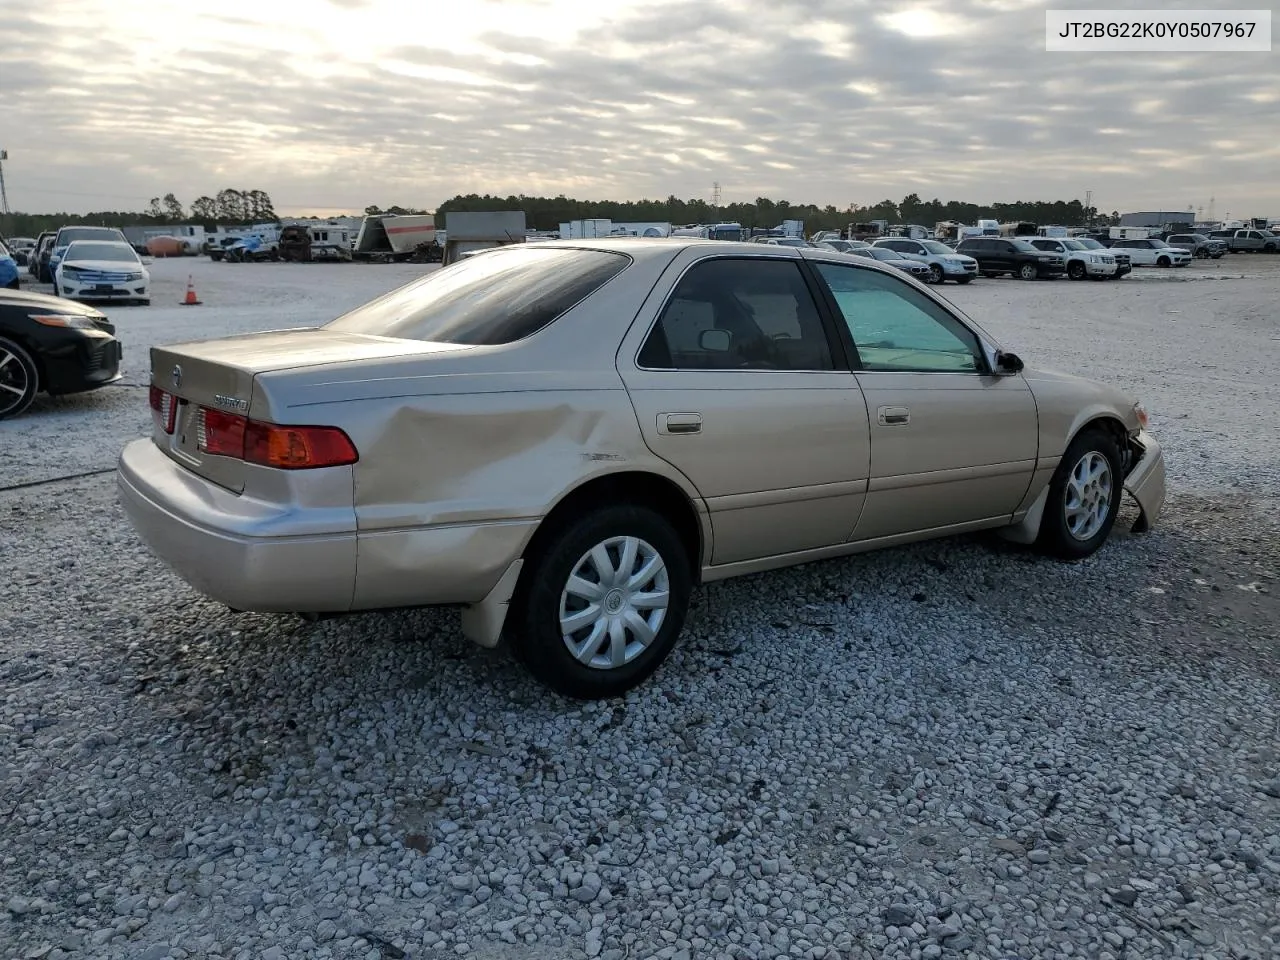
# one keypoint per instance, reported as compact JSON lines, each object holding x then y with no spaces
{"x":164,"y":409}
{"x":221,"y":434}
{"x":286,"y":447}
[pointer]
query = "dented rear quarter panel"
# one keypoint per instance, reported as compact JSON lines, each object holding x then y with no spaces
{"x":463,"y":452}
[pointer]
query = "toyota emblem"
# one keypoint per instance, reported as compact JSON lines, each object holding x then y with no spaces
{"x":177,"y":377}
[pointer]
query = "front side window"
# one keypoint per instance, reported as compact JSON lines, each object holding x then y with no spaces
{"x":896,"y":328}
{"x":501,"y":297}
{"x":739,"y":314}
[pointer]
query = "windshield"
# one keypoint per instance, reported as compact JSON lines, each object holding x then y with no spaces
{"x":1074,"y":245}
{"x":4,"y":251}
{"x":1158,"y":243}
{"x":89,"y":250}
{"x":69,"y":235}
{"x":934,"y":246}
{"x":884,"y":253}
{"x":1024,"y":246}
{"x":791,"y":242}
{"x":502,"y":297}
{"x":1088,"y":243}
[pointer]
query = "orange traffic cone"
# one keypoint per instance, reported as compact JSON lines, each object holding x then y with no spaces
{"x":190,"y":300}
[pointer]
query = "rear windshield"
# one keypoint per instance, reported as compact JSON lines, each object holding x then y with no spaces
{"x":500,"y":297}
{"x":88,"y":250}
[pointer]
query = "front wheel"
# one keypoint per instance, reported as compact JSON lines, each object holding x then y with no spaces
{"x":19,"y":379}
{"x":602,"y":601}
{"x":1084,"y":497}
{"x":1163,"y":262}
{"x":1028,"y":271}
{"x":1075,"y":270}
{"x":935,"y":273}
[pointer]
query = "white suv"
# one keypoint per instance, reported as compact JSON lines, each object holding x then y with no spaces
{"x":944,"y":263}
{"x":1153,"y":253}
{"x":1081,"y":262}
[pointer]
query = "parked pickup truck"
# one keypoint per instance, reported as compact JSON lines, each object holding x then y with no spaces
{"x":1201,"y":247}
{"x":1253,"y":241}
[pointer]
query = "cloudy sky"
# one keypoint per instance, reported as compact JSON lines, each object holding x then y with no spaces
{"x":330,"y":105}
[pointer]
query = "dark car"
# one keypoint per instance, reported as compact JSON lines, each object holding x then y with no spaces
{"x":52,"y":345}
{"x":892,"y":257}
{"x":38,"y":261}
{"x":997,"y":255}
{"x":9,"y":277}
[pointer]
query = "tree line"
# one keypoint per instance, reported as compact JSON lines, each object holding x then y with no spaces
{"x":547,"y":213}
{"x":232,"y":207}
{"x":229,"y":207}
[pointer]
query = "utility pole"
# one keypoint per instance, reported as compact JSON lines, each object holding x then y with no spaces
{"x":1088,"y":208}
{"x":4,"y":197}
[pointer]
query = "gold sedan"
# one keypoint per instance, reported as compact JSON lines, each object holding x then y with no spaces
{"x":566,"y":438}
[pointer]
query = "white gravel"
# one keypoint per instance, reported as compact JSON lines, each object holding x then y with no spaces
{"x":950,"y":750}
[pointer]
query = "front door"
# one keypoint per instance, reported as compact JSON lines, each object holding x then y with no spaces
{"x":951,"y":443}
{"x":738,"y":383}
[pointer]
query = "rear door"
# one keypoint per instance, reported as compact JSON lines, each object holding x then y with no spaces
{"x":951,"y":443}
{"x":739,"y":382}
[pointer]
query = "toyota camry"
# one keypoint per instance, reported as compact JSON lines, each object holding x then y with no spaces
{"x":565,"y":439}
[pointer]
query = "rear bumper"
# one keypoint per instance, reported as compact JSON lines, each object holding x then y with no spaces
{"x":202,"y":532}
{"x":1146,"y":481}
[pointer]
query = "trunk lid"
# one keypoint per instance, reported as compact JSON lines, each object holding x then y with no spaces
{"x":218,"y":375}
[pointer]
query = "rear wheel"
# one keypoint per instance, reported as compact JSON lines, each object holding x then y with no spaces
{"x":1084,"y":497}
{"x":990,"y":274}
{"x":963,"y":280}
{"x":1028,"y":271}
{"x":602,"y":601}
{"x":19,"y":379}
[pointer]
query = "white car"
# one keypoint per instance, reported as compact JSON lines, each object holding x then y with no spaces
{"x":1153,"y":253}
{"x":1080,"y":260}
{"x":102,"y":270}
{"x":944,"y":263}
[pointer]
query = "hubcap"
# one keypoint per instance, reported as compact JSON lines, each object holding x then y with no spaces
{"x":614,"y":603}
{"x":1087,"y":501}
{"x":13,"y":381}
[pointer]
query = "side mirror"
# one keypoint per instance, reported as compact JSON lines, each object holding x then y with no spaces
{"x":1008,"y":362}
{"x":715,"y":341}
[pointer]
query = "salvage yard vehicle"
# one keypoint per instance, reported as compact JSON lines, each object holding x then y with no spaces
{"x":1198,"y":245}
{"x":1153,"y":253}
{"x":98,"y":270}
{"x":566,"y":438}
{"x":69,"y":235}
{"x":894,"y":259}
{"x":943,"y":262}
{"x":52,"y":345}
{"x":10,"y":279}
{"x":1081,"y":261}
{"x":1018,"y":258}
{"x":1124,"y":265}
{"x":1253,"y":241}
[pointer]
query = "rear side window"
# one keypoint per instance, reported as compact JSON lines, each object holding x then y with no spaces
{"x":496,"y":297}
{"x":749,"y":314}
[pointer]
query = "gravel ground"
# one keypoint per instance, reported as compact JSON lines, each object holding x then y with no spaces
{"x":955,"y":749}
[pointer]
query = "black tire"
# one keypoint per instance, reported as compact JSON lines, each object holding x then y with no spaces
{"x":17,"y":372}
{"x":1075,"y":270}
{"x":990,"y":274}
{"x":534,"y":618}
{"x":963,"y":280}
{"x":1028,"y":271}
{"x":935,"y":274}
{"x":1056,"y":537}
{"x":1164,"y":262}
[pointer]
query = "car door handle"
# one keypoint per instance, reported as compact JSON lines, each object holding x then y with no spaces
{"x":679,"y":423}
{"x":893,"y":416}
